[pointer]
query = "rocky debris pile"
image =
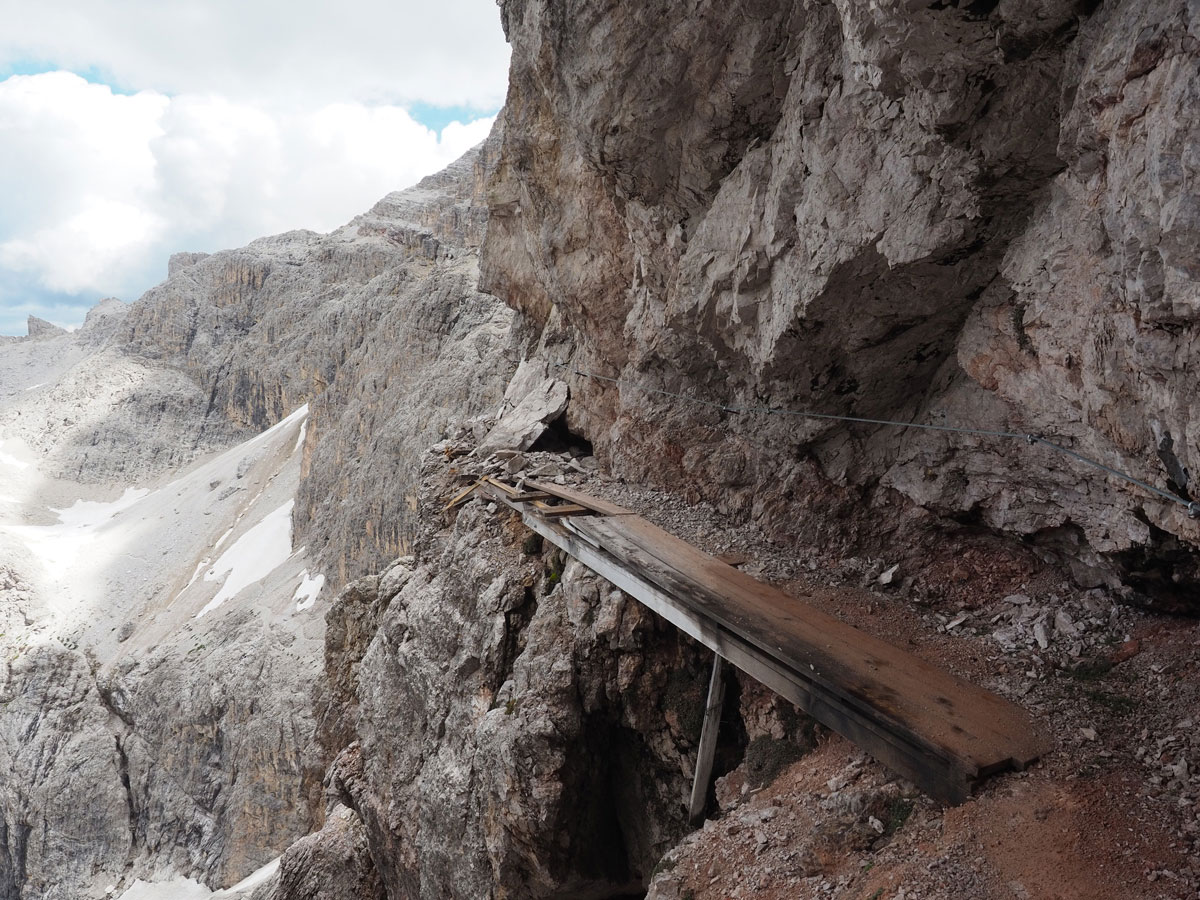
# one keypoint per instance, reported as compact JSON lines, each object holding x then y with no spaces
{"x":776,"y":842}
{"x":1072,"y":627}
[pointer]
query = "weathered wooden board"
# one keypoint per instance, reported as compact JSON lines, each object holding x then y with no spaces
{"x":566,"y":509}
{"x":462,"y":495}
{"x":980,"y":728}
{"x":530,"y":496}
{"x":604,"y":507}
{"x":929,"y":725}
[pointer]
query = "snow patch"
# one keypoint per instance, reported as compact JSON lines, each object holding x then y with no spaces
{"x":177,"y":889}
{"x":92,"y":514}
{"x":253,"y":556}
{"x":7,"y":459}
{"x":187,"y":889}
{"x":306,"y":593}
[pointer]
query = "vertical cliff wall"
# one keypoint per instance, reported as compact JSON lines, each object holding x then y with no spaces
{"x":379,"y":324}
{"x":966,"y":213}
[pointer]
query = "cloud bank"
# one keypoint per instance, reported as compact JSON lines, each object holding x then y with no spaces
{"x":216,"y":123}
{"x":306,"y":53}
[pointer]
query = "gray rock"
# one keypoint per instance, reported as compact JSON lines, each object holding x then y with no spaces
{"x":40,"y":329}
{"x":521,"y":426}
{"x":873,"y":210}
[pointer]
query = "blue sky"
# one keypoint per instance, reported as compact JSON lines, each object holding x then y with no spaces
{"x":130,"y":129}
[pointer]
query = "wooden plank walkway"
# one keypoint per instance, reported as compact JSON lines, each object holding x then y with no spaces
{"x":940,"y":731}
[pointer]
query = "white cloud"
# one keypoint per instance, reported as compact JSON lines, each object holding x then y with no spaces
{"x":306,"y":52}
{"x":231,"y":119}
{"x":100,"y":187}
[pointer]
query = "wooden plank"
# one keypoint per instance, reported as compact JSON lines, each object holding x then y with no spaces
{"x":979,"y":728}
{"x":848,"y":680}
{"x":603,"y":507}
{"x":708,"y":741}
{"x":885,"y":676}
{"x":529,"y":496}
{"x":498,"y":488}
{"x":462,"y":495}
{"x":567,"y":509}
{"x":939,"y":776}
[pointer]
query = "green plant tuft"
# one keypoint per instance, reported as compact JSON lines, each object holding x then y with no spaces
{"x":766,"y":757}
{"x":898,"y":812}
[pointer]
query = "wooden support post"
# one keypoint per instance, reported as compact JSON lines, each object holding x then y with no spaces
{"x":708,"y":740}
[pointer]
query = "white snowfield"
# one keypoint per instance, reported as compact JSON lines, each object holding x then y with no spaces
{"x":187,"y":889}
{"x":310,"y":588}
{"x":253,"y":556}
{"x":126,"y":570}
{"x":115,"y":559}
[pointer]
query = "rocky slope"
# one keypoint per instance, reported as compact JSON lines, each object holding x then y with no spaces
{"x":957,"y":213}
{"x":162,"y":648}
{"x":378,"y":323}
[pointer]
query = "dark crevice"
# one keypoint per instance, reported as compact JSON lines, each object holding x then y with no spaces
{"x":558,"y":438}
{"x":516,"y":620}
{"x":125,"y":783}
{"x":14,"y":848}
{"x":610,"y":850}
{"x":1018,"y":322}
{"x":1177,"y":475}
{"x":975,"y":9}
{"x":1164,"y":573}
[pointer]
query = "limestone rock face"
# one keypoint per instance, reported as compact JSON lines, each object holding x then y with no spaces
{"x":65,"y":822}
{"x":40,"y":328}
{"x":508,"y":725}
{"x":335,"y":862}
{"x":332,"y":864}
{"x":220,"y":769}
{"x":378,"y":323}
{"x":180,"y":261}
{"x":102,"y":320}
{"x":532,"y":400}
{"x":948,"y":213}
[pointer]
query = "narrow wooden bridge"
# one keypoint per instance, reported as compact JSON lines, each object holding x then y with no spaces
{"x":934,"y":728}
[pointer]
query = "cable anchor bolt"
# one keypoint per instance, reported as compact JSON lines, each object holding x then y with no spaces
{"x":1193,"y":510}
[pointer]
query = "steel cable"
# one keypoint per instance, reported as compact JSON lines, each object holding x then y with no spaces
{"x":1192,"y":507}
